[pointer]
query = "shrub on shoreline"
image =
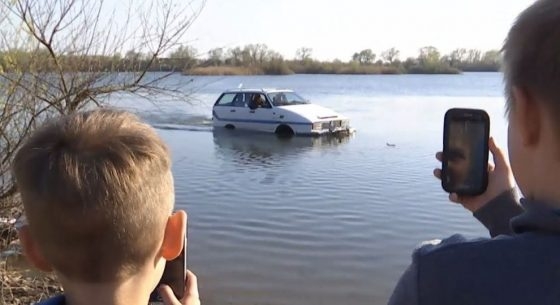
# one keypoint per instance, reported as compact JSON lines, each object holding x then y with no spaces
{"x":320,"y":68}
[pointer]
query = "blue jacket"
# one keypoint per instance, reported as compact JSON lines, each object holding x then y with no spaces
{"x":520,"y":264}
{"x":58,"y":300}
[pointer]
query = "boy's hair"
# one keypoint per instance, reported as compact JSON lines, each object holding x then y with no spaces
{"x":532,"y":54}
{"x":97,"y":191}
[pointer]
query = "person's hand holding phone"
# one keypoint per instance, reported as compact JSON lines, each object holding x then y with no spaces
{"x":500,"y":179}
{"x":190,"y":297}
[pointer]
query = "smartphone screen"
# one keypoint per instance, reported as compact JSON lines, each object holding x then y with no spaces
{"x":174,"y":275}
{"x":465,"y":152}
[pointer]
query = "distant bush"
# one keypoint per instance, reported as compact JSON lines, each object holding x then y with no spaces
{"x":433,"y":69}
{"x":276,"y":67}
{"x":338,"y":67}
{"x":224,"y":70}
{"x":479,"y":67}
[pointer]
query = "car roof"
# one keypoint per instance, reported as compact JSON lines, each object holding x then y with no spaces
{"x":263,"y":90}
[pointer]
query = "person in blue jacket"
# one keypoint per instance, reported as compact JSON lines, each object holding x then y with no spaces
{"x":520,"y":263}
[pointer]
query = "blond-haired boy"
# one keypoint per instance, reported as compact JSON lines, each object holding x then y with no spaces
{"x":98,"y":195}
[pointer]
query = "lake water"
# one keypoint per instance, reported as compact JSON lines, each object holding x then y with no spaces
{"x":318,"y":221}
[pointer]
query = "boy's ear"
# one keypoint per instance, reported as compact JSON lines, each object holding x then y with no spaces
{"x":528,"y":115}
{"x":174,"y":237}
{"x":31,"y":251}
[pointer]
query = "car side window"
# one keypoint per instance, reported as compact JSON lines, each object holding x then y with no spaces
{"x":265,"y":103}
{"x":226,"y":99}
{"x":239,"y":100}
{"x":258,"y":100}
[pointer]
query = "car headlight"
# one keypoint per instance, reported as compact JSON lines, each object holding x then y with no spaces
{"x":317,"y":126}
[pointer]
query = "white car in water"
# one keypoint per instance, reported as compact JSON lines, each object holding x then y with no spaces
{"x":283,"y":112}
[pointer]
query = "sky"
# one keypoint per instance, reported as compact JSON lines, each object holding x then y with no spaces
{"x":338,"y":29}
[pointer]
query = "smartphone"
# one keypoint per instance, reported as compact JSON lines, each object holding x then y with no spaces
{"x":465,"y":151}
{"x":174,"y":275}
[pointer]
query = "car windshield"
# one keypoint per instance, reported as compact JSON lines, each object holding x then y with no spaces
{"x":286,"y":99}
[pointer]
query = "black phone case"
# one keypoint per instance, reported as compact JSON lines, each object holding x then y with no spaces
{"x":465,"y":112}
{"x":177,"y":287}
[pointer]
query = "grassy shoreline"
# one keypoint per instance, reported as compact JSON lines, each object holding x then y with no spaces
{"x":365,"y":70}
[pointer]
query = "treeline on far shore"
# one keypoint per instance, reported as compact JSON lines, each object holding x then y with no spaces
{"x":258,"y":59}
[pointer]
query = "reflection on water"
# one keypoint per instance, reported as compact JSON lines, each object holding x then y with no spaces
{"x":269,"y":158}
{"x":246,"y":147}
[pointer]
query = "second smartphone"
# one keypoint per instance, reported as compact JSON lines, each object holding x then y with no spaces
{"x":465,"y":151}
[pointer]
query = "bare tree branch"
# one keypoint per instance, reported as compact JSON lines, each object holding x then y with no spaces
{"x":62,"y":56}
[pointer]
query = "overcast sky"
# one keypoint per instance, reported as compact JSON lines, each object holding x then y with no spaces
{"x":337,"y":29}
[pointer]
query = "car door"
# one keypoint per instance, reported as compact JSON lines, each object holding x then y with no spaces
{"x":228,"y":109}
{"x":262,"y":116}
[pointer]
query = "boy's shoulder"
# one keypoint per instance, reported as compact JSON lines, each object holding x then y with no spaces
{"x":481,"y":248}
{"x":445,"y":246}
{"x":485,"y":270}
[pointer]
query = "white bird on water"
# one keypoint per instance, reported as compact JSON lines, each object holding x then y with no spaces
{"x":240,"y":86}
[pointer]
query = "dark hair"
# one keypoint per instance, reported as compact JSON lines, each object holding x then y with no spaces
{"x":531,"y":54}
